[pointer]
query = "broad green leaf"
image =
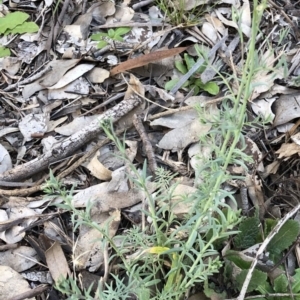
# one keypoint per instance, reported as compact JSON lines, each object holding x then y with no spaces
{"x":4,"y":52}
{"x":296,"y":283}
{"x":118,"y":38}
{"x":284,"y":237}
{"x":196,"y":90}
{"x":170,"y":84}
{"x":111,"y":33}
{"x":258,"y":278}
{"x":236,"y":258}
{"x":12,"y":20}
{"x":122,"y":30}
{"x":269,"y":225}
{"x":98,"y":36}
{"x":281,"y":284}
{"x":248,"y":231}
{"x":101,"y":44}
{"x":26,"y":27}
{"x":211,"y":87}
{"x":189,"y":61}
{"x":180,"y":66}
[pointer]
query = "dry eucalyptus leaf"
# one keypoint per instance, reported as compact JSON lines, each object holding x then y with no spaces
{"x":58,"y":69}
{"x":286,"y":108}
{"x":180,"y":207}
{"x":75,"y":125}
{"x":263,"y":107}
{"x":32,"y":124}
{"x":12,"y":284}
{"x":96,"y":168}
{"x":5,"y":160}
{"x":179,"y":138}
{"x":73,"y":74}
{"x":287,"y":150}
{"x":176,"y":120}
{"x":210,"y":31}
{"x":97,"y":75}
{"x":57,"y":263}
{"x":20,"y":259}
{"x":89,"y":247}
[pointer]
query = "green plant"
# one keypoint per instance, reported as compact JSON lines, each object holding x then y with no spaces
{"x":194,"y":83}
{"x":14,"y":23}
{"x":179,"y":12}
{"x":249,"y":236}
{"x":115,"y":35}
{"x":167,"y":257}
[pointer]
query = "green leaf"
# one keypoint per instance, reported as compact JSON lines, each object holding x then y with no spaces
{"x":189,"y":61}
{"x":180,"y":66}
{"x":248,"y":231}
{"x":170,"y":84}
{"x":111,"y":33}
{"x":4,"y":52}
{"x":281,"y":284}
{"x":12,"y":20}
{"x":122,"y":30}
{"x":101,"y":44}
{"x":211,"y":87}
{"x":258,"y":278}
{"x":236,"y":258}
{"x":196,"y":90}
{"x":296,"y":283}
{"x":118,"y":38}
{"x":284,"y":237}
{"x":98,"y":36}
{"x":27,"y":27}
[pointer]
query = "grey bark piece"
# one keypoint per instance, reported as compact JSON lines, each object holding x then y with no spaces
{"x":69,"y":145}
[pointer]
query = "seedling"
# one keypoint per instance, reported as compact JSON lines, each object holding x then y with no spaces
{"x":15,"y":23}
{"x":115,"y":35}
{"x":194,"y":82}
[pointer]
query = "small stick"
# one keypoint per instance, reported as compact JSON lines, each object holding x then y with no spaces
{"x":147,"y":144}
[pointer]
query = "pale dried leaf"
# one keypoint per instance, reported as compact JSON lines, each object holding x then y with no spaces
{"x":5,"y":160}
{"x":176,"y":120}
{"x":77,"y":124}
{"x":287,"y":150}
{"x":97,"y":75}
{"x":179,"y":138}
{"x":57,"y":263}
{"x":210,"y":31}
{"x":12,"y":284}
{"x":20,"y":259}
{"x":70,"y":91}
{"x":89,"y":247}
{"x":96,"y":168}
{"x":263,"y":107}
{"x":32,"y":124}
{"x":286,"y":108}
{"x":73,"y":74}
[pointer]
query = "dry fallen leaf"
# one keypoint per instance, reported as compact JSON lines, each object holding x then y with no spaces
{"x":145,"y":59}
{"x":57,"y":263}
{"x":12,"y":284}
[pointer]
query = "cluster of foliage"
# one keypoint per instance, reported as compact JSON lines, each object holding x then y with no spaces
{"x":15,"y":23}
